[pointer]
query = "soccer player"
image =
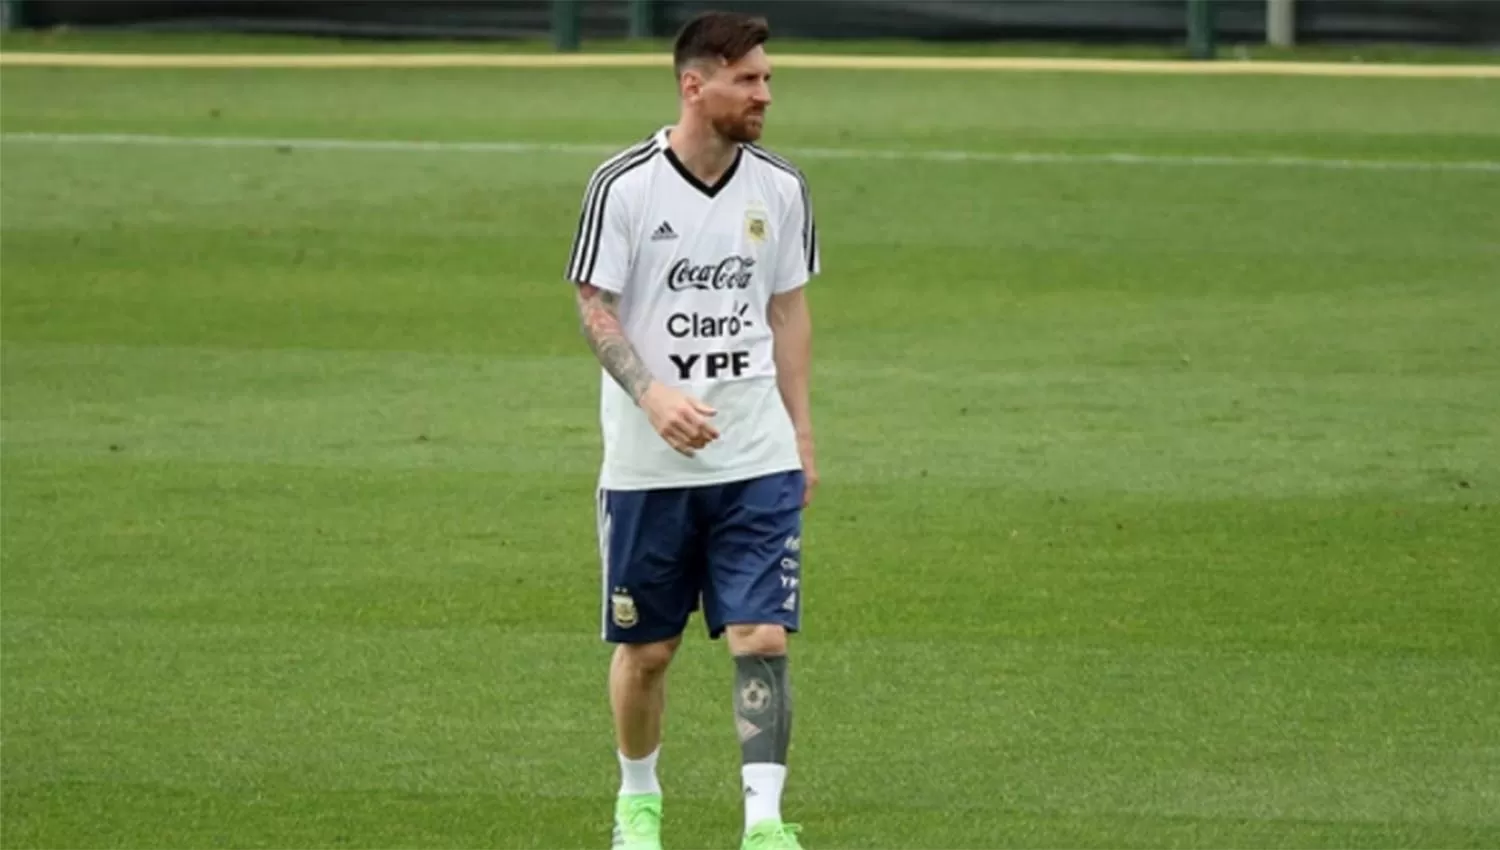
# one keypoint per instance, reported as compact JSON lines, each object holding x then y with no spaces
{"x":690,"y":258}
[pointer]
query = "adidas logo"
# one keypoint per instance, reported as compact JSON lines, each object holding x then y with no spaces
{"x":663,"y":231}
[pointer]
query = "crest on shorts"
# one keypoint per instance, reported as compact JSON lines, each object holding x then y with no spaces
{"x":622,"y":608}
{"x":755,"y":225}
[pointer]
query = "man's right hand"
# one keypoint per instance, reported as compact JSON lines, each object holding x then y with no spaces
{"x":679,"y":418}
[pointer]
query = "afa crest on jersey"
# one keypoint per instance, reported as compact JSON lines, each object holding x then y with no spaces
{"x":755,"y":225}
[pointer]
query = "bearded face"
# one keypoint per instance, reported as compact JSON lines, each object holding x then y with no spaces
{"x":734,"y":96}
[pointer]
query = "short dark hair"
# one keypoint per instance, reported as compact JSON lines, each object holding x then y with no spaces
{"x":718,"y":35}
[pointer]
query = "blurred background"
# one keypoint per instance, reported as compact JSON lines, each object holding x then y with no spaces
{"x":1279,"y":22}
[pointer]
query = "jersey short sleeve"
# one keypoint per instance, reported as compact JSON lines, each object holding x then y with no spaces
{"x":798,"y":258}
{"x":603,"y":245}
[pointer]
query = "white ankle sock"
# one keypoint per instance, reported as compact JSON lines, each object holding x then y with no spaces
{"x":638,"y":776}
{"x":763,"y":784}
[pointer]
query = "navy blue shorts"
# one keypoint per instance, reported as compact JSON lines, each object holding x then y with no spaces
{"x":735,"y":548}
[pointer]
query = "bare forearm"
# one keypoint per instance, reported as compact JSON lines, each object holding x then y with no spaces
{"x":793,"y":353}
{"x":795,"y":395}
{"x":599,"y":311}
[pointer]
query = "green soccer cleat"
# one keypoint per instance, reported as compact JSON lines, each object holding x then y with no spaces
{"x":772,"y":835}
{"x":637,"y":822}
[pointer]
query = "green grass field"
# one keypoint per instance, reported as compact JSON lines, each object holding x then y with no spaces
{"x":1161,"y":500}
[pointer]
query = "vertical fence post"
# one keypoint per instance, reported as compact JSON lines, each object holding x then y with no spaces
{"x":1200,"y":25}
{"x":565,"y":25}
{"x":10,"y":15}
{"x":1281,"y":23}
{"x":642,"y":18}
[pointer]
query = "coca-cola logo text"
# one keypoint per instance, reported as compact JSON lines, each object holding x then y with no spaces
{"x":732,"y":272}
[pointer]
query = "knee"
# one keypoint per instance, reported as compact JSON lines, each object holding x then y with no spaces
{"x":757,"y":640}
{"x":647,"y":659}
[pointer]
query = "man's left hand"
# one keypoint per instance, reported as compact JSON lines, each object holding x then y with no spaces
{"x":809,"y":470}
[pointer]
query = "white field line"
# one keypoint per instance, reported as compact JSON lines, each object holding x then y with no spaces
{"x":1227,"y":67}
{"x":953,"y":156}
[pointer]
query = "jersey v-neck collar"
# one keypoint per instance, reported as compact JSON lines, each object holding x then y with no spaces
{"x":690,"y":177}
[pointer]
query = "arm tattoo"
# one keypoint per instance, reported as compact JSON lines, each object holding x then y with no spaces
{"x":600,"y":311}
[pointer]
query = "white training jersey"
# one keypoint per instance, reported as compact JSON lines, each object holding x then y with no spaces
{"x":695,"y":267}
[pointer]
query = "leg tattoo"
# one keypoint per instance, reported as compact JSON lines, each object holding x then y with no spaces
{"x":763,"y":708}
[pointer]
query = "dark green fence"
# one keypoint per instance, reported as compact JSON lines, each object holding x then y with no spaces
{"x":1197,"y":24}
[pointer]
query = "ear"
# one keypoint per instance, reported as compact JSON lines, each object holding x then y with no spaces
{"x":690,"y":83}
{"x":695,"y":76}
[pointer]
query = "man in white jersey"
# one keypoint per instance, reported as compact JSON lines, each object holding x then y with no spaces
{"x":691,"y":253}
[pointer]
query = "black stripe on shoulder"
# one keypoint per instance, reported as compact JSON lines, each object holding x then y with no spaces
{"x":809,"y":226}
{"x":585,"y":251}
{"x":598,"y":226}
{"x":775,"y":159}
{"x":591,"y":198}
